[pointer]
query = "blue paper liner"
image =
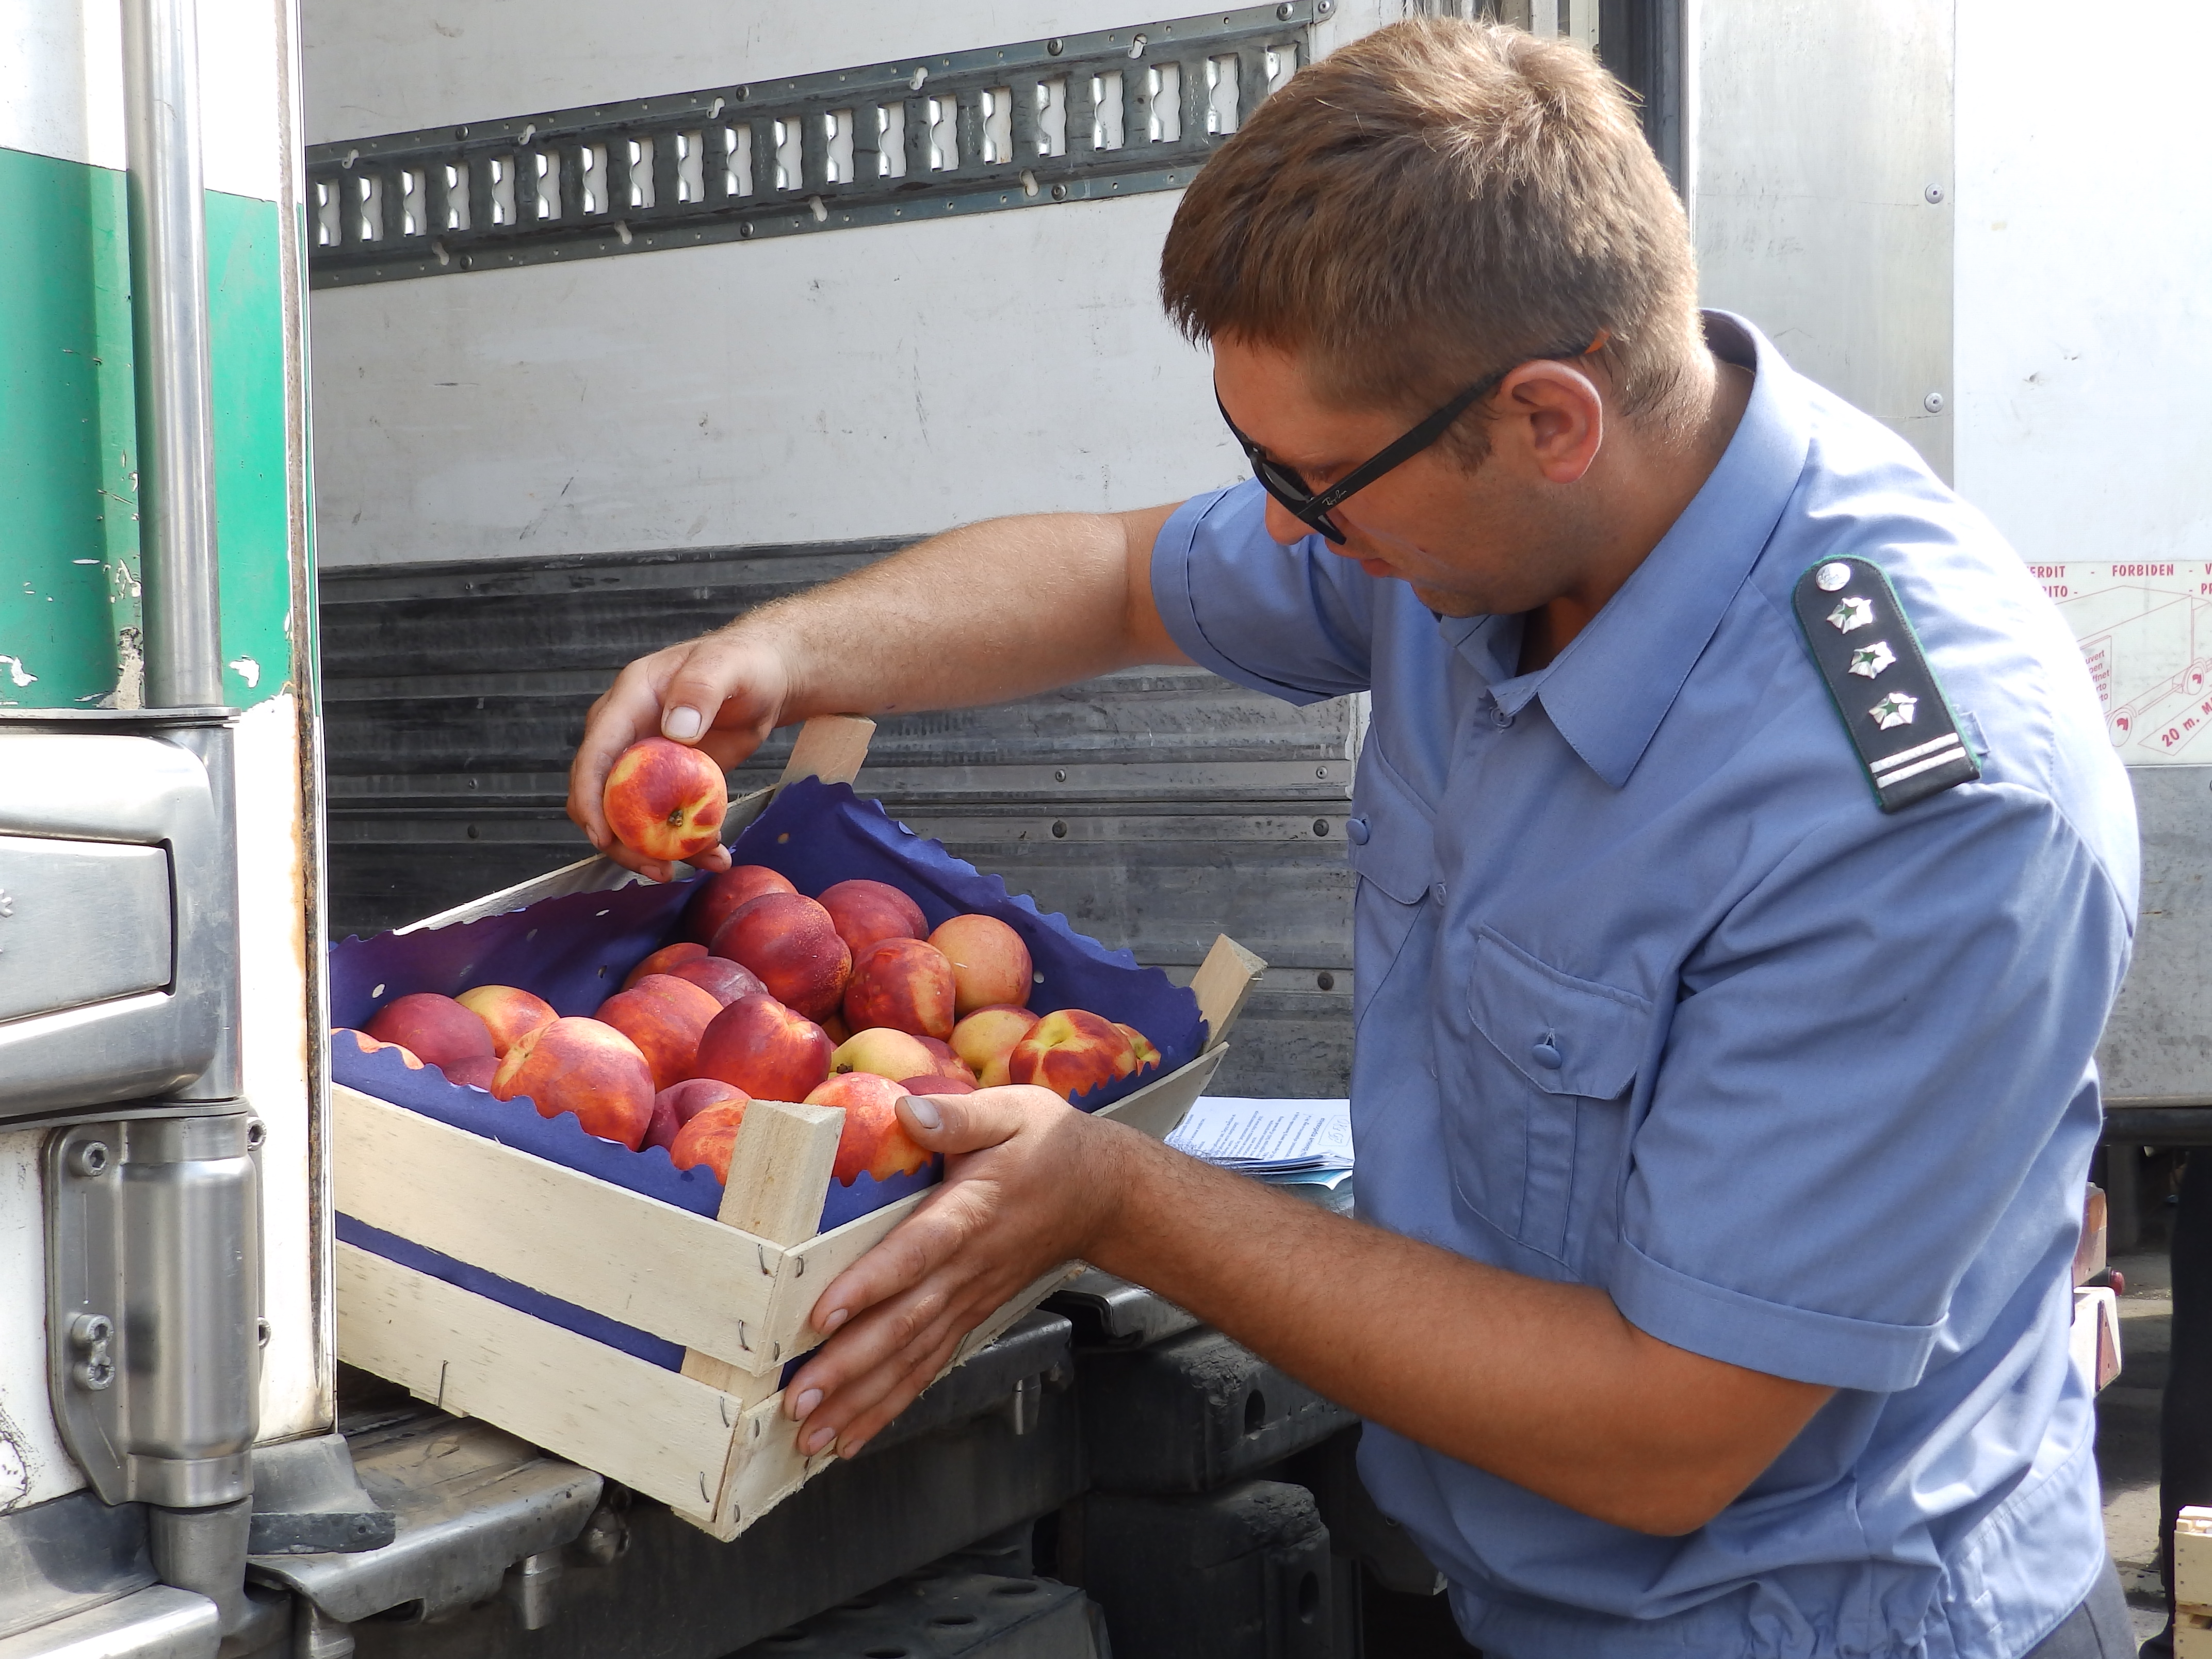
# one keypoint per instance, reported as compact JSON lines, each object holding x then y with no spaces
{"x":574,"y":952}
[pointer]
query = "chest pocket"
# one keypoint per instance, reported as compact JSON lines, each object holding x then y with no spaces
{"x":1391,"y":844}
{"x":1537,"y":1127}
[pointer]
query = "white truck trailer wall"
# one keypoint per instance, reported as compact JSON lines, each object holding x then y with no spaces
{"x":61,"y":97}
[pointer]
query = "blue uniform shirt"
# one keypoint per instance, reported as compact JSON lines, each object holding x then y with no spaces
{"x":1651,"y":995}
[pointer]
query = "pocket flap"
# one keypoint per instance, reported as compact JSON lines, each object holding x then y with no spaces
{"x":1566,"y":1036}
{"x":1391,"y":836}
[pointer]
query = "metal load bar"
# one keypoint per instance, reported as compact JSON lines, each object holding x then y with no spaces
{"x":1075,"y":117}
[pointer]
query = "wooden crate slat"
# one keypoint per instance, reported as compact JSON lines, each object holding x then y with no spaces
{"x":680,"y":1276}
{"x":654,"y":1431}
{"x":1223,"y":980}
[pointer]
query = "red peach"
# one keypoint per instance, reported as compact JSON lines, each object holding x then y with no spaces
{"x":584,"y":1066}
{"x":665,"y":1017}
{"x":937,"y":1085}
{"x":667,"y":960}
{"x":507,"y":1011}
{"x":720,"y":977}
{"x":435,"y":1028}
{"x":883,"y":1051}
{"x":791,"y":943}
{"x":709,"y":1139}
{"x":719,"y":897}
{"x":676,"y":1105}
{"x":865,"y":912}
{"x":874,"y":1141}
{"x":1140,"y":1045}
{"x":477,"y":1072}
{"x":369,"y":1045}
{"x":1071,"y":1052}
{"x":985,"y":1038}
{"x":666,"y":800}
{"x":949,"y":1064}
{"x":990,"y":963}
{"x":901,"y":983}
{"x":764,"y":1049}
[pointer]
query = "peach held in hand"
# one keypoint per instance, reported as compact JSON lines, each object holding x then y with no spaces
{"x":721,"y":978}
{"x":1072,"y":1053}
{"x":764,"y":1049}
{"x":874,"y":1142}
{"x":709,"y":1139}
{"x":884,"y":1052}
{"x":437,"y":1029}
{"x":665,"y":1017}
{"x":901,"y":983}
{"x":868,"y":912}
{"x":987,"y":1037}
{"x":664,"y":800}
{"x":990,"y":963}
{"x":791,"y":943}
{"x":507,"y":1011}
{"x":719,"y":897}
{"x":582,"y":1066}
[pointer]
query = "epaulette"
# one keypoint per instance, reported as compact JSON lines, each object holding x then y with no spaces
{"x":1907,"y":736}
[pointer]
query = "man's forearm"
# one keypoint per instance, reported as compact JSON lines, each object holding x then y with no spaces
{"x":1545,"y":1384}
{"x":979,"y":614}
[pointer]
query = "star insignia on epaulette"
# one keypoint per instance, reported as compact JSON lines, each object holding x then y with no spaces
{"x":1870,"y":660}
{"x":1852,"y":613}
{"x":1894,"y":710}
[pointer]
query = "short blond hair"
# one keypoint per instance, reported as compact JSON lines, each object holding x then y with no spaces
{"x":1435,"y":201}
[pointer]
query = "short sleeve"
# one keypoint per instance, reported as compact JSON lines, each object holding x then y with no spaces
{"x":1875,"y":1047}
{"x":1296,"y":621}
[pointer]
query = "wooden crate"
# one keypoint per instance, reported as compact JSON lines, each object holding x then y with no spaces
{"x":711,"y":1442}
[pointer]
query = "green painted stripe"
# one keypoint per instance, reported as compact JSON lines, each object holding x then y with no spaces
{"x":68,"y":536}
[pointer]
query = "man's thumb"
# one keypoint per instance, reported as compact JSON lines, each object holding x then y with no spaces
{"x":957,"y":1123}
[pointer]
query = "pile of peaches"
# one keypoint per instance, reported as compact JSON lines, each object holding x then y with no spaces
{"x":845,"y":1000}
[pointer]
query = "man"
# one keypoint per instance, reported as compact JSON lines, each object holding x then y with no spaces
{"x":1727,"y":996}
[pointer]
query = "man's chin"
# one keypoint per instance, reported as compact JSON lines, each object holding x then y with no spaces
{"x":1446,"y":604}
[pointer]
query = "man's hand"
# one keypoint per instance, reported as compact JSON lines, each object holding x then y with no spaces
{"x":1028,"y":1182}
{"x":723,"y":694}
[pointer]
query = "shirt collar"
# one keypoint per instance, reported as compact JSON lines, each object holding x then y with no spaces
{"x":1607,"y":691}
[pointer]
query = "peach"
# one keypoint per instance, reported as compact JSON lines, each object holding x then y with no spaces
{"x":791,"y":943}
{"x":764,"y":1049}
{"x":369,"y":1045}
{"x":1140,"y":1045}
{"x":720,"y":977}
{"x":990,"y":963}
{"x":665,"y":800}
{"x":709,"y":1139}
{"x":665,"y":1017}
{"x":584,"y":1066}
{"x":477,"y":1072}
{"x":507,"y":1011}
{"x":719,"y":897}
{"x":985,"y":1038}
{"x":865,"y":912}
{"x":873,"y":1142}
{"x":949,"y":1064}
{"x":676,"y":1105}
{"x":901,"y":983}
{"x":937,"y":1085}
{"x":434,"y":1028}
{"x":667,"y":960}
{"x":1071,"y":1052}
{"x":885,"y":1052}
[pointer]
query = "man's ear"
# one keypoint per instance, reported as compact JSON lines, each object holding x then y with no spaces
{"x":1559,"y":416}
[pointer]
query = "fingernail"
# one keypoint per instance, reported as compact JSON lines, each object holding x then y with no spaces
{"x":805,"y":1403}
{"x":925,"y":1111}
{"x":816,"y":1441}
{"x":837,"y":1316}
{"x":682,"y":724}
{"x":851,"y":1451}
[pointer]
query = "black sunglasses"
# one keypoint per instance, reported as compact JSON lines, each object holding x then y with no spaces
{"x":1312,"y":507}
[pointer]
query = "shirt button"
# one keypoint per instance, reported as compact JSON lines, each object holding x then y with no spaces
{"x":1546,"y":1055}
{"x":1355,"y":832}
{"x":1437,"y":892}
{"x":1500,"y":719}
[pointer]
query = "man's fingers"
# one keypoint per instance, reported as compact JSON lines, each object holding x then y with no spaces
{"x":968,"y":1123}
{"x":910,"y":1254}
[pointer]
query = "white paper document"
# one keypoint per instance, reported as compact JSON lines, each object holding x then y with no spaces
{"x":1267,"y":1137}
